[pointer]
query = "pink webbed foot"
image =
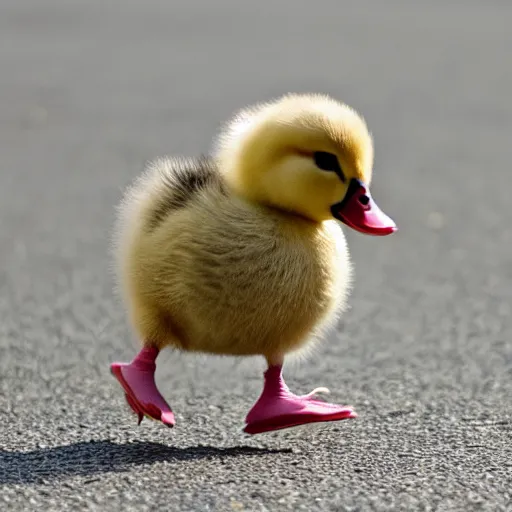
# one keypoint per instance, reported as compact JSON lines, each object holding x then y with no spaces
{"x":138,"y":381}
{"x":278,"y":408}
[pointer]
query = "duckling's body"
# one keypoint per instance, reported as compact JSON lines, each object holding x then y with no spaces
{"x":241,"y":253}
{"x":207,"y":271}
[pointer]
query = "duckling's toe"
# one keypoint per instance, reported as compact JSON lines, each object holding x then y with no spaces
{"x":135,"y":408}
{"x":142,"y":395}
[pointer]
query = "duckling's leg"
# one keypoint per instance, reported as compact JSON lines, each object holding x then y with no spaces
{"x":138,"y":381}
{"x":278,"y":408}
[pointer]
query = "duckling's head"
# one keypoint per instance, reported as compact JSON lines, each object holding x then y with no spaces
{"x":305,"y":154}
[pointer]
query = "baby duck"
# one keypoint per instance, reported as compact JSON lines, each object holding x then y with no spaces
{"x":242,"y":254}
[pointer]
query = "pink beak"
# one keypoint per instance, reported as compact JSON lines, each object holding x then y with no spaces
{"x":359,"y":211}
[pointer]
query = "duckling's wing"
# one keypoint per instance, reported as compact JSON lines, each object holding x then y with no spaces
{"x":175,"y":182}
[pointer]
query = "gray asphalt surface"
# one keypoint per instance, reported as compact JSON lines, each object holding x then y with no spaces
{"x":89,"y":91}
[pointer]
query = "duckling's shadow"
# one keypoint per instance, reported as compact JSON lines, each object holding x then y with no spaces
{"x":98,"y":457}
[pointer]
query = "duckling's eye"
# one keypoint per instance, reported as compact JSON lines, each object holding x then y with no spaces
{"x":328,"y":162}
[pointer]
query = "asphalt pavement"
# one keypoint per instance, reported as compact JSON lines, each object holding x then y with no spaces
{"x":89,"y":91}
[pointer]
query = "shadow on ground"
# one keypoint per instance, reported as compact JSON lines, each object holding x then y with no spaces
{"x":97,"y":457}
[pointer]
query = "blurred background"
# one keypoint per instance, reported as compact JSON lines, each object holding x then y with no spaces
{"x":89,"y":91}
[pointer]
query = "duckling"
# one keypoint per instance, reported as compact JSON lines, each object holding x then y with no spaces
{"x":241,"y":253}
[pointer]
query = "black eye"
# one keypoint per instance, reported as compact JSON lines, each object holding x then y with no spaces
{"x":328,"y":162}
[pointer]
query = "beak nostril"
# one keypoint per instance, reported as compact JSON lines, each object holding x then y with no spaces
{"x":364,"y":200}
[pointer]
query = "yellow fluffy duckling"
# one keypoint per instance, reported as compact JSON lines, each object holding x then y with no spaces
{"x":242,"y":253}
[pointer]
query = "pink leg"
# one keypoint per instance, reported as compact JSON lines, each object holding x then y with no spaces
{"x":278,"y":408}
{"x":138,"y":381}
